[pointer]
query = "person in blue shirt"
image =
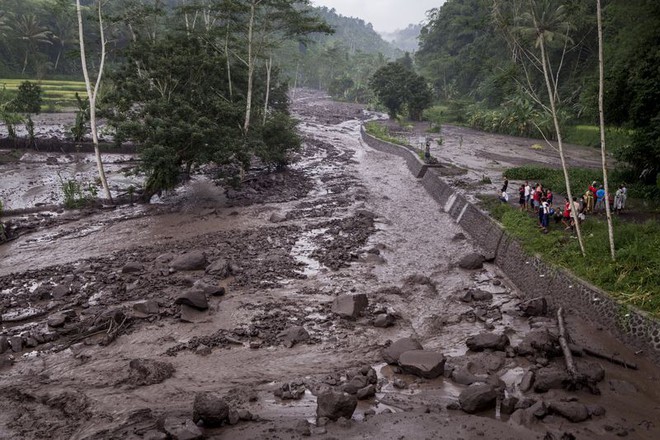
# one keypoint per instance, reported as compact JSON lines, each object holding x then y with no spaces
{"x":600,"y":199}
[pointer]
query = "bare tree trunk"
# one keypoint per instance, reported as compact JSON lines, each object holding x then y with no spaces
{"x":231,"y":91}
{"x":269,"y":67}
{"x":248,"y":105}
{"x":92,"y":95}
{"x":551,"y":97}
{"x":295,"y":81}
{"x":601,"y":114}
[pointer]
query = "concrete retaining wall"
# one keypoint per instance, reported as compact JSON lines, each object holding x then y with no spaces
{"x":529,"y":273}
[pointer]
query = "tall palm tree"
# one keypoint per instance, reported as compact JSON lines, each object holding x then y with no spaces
{"x":31,"y":34}
{"x":545,"y":22}
{"x":4,"y":25}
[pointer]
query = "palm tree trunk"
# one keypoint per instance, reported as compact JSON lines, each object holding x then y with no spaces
{"x":601,"y":114}
{"x":93,"y":94}
{"x":553,"y":109}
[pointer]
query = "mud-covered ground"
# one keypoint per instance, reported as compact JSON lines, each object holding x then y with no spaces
{"x":114,"y":322}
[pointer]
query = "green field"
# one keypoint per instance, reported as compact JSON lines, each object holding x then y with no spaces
{"x":57,"y":95}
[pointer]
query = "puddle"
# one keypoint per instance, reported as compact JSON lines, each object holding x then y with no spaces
{"x":302,"y":250}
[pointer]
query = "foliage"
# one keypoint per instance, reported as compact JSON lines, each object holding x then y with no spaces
{"x":77,"y":193}
{"x":381,"y":132}
{"x":397,"y":85}
{"x":28,"y":99}
{"x":589,"y":135}
{"x":634,"y":279}
{"x":277,"y":140}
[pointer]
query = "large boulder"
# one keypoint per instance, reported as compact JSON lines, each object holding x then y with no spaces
{"x":211,"y":409}
{"x":428,"y":364}
{"x":472,"y":261}
{"x":195,"y":260}
{"x":487,"y":341}
{"x":539,"y":341}
{"x":534,"y":307}
{"x":350,"y":306}
{"x":193,"y":298}
{"x":573,"y":411}
{"x":146,"y":308}
{"x":477,"y":397}
{"x":334,"y":404}
{"x":550,"y":378}
{"x":219,"y":268}
{"x":293,"y":335}
{"x":392,"y":353}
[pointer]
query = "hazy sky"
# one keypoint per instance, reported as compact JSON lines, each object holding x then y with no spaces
{"x":385,"y":15}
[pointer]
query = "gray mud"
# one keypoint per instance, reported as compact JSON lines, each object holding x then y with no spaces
{"x":345,"y":219}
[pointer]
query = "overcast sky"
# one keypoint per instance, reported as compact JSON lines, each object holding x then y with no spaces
{"x":385,"y":15}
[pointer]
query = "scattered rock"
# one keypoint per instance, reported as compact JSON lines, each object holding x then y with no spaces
{"x":56,"y":320}
{"x":303,"y":428}
{"x":290,"y":391}
{"x":392,"y":353}
{"x":485,"y":341}
{"x":550,"y":378}
{"x":193,"y":298}
{"x":148,"y":371}
{"x":384,"y":320}
{"x":333,"y":405}
{"x":477,"y":397}
{"x":596,"y":410}
{"x":481,"y":295}
{"x":4,"y":344}
{"x":459,"y":236}
{"x":209,"y":289}
{"x":427,"y":364}
{"x":534,"y":307}
{"x":293,"y":335}
{"x":366,"y":393}
{"x":132,"y":267}
{"x":245,"y":415}
{"x":211,"y":409}
{"x":147,"y":308}
{"x":195,"y":260}
{"x":16,"y":343}
{"x":508,"y":405}
{"x":472,"y":261}
{"x":350,"y":306}
{"x":219,"y":268}
{"x":276,"y":217}
{"x":464,"y":377}
{"x":59,"y":291}
{"x":181,"y":429}
{"x":573,"y":411}
{"x":539,"y":342}
{"x":527,"y":381}
{"x":193,"y":315}
{"x":233,"y":417}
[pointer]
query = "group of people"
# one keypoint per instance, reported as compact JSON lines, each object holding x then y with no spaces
{"x":540,"y":200}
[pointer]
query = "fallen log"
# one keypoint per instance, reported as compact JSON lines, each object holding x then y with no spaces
{"x":563,"y":342}
{"x":609,"y":358}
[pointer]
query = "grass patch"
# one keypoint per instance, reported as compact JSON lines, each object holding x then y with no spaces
{"x":56,"y":94}
{"x":634,"y":279}
{"x":381,"y":132}
{"x":589,"y":135}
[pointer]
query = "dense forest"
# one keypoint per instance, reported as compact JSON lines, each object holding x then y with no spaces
{"x":481,"y":56}
{"x":405,"y":39}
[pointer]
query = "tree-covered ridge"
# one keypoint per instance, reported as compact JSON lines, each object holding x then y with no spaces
{"x":405,"y":39}
{"x":472,"y":52}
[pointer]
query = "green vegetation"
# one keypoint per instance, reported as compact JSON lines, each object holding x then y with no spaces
{"x":56,"y":95}
{"x":634,"y":279}
{"x":589,"y":135}
{"x":381,"y":132}
{"x":77,"y":194}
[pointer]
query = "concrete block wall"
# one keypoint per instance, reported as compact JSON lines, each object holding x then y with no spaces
{"x":529,"y":273}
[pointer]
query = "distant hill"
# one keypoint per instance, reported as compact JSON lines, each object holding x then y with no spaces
{"x":355,"y":34}
{"x":404,"y":39}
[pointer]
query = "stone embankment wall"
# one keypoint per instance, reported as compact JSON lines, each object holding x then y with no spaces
{"x":529,"y":273}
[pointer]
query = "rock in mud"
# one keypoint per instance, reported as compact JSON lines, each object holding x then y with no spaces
{"x":145,"y":372}
{"x":195,"y":260}
{"x":211,"y":409}
{"x":193,"y":315}
{"x":527,"y":381}
{"x":594,"y":372}
{"x":4,"y":344}
{"x":219,"y":268}
{"x":146,"y":308}
{"x":464,"y":377}
{"x":132,"y":267}
{"x":303,"y":428}
{"x":276,"y":217}
{"x":384,"y":320}
{"x":6,"y":361}
{"x":56,"y":320}
{"x":472,"y":261}
{"x":59,"y":291}
{"x":293,"y":335}
{"x":16,"y":343}
{"x":427,"y":364}
{"x":350,"y":306}
{"x":209,"y":289}
{"x":291,"y":391}
{"x":486,"y":341}
{"x":333,"y":405}
{"x":539,"y":342}
{"x":550,"y":378}
{"x":534,"y":307}
{"x":477,"y":397}
{"x":572,"y":411}
{"x":366,"y":392}
{"x":508,"y":405}
{"x":181,"y":429}
{"x":392,"y":353}
{"x":193,"y":298}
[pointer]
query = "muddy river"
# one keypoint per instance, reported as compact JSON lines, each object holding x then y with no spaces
{"x":115,"y":322}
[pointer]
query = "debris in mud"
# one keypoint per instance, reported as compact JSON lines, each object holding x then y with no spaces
{"x":291,"y":390}
{"x":472,"y":261}
{"x":211,"y":409}
{"x":350,"y":306}
{"x":392,"y":353}
{"x":335,"y":404}
{"x":292,"y":335}
{"x":193,"y":298}
{"x":485,"y":341}
{"x":195,"y":260}
{"x":534,"y":307}
{"x":423,"y":363}
{"x":478,"y":397}
{"x":344,"y":239}
{"x":144,"y":372}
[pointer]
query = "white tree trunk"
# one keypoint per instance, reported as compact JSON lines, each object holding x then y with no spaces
{"x":248,"y":104}
{"x":551,"y":96}
{"x":92,"y":95}
{"x":231,"y":91}
{"x":601,"y":114}
{"x":269,"y":67}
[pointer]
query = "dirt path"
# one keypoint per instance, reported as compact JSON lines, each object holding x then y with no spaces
{"x":87,"y":297}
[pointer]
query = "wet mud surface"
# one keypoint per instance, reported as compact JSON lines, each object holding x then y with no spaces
{"x":114,"y":323}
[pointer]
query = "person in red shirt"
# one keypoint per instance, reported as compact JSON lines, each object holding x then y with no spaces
{"x":566,"y":219}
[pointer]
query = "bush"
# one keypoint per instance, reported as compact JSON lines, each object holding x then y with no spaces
{"x":278,"y":140}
